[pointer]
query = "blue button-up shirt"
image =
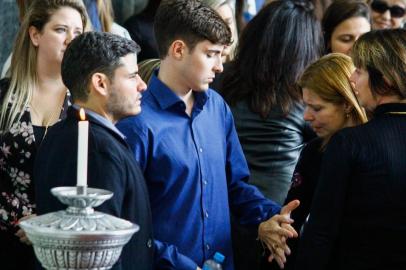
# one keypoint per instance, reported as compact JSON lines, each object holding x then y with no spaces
{"x":195,"y":171}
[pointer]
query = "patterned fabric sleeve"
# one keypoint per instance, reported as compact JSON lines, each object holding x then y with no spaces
{"x":17,"y":150}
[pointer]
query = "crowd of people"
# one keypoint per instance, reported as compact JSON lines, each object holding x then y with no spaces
{"x":278,"y":143}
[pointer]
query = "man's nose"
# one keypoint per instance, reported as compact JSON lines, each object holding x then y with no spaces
{"x":218,"y":68}
{"x":141,"y":85}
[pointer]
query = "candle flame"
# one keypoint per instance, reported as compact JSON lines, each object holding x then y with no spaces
{"x":82,"y":114}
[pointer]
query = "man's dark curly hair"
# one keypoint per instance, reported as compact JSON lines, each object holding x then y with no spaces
{"x":89,"y":53}
{"x":190,"y":21}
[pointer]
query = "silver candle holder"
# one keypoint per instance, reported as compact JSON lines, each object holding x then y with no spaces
{"x":78,"y":237}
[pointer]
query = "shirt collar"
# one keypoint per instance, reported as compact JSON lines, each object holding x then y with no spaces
{"x":167,"y":98}
{"x":100,"y":120}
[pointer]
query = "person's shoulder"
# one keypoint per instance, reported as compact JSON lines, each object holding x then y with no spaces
{"x":216,"y":99}
{"x":107,"y":144}
{"x":120,"y":31}
{"x":215,"y":95}
{"x":350,"y":138}
{"x":139,"y":120}
{"x":295,"y":113}
{"x":138,"y":124}
{"x":350,"y":133}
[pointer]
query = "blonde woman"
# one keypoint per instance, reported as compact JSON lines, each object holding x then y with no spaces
{"x":330,"y":106}
{"x":32,"y":99}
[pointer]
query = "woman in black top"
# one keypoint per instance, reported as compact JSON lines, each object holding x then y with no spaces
{"x":358,"y":214}
{"x":330,"y":106}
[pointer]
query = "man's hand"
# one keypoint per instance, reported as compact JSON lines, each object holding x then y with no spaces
{"x":276,"y":230}
{"x":21,"y":233}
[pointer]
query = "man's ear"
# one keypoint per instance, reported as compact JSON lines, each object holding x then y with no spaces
{"x":99,"y":83}
{"x":178,"y":49}
{"x":34,"y":35}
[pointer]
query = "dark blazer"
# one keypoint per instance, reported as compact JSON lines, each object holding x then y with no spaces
{"x":111,"y":166}
{"x":358,"y":214}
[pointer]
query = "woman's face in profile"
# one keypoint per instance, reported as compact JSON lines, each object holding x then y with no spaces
{"x":388,"y":14}
{"x":325,"y":118}
{"x":347,"y":32}
{"x":51,"y":42}
{"x":227,"y":15}
{"x":360,"y":80}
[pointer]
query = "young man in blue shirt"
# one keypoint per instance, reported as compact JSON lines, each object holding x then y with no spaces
{"x":187,"y":146}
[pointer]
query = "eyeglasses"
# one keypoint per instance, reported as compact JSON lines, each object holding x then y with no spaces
{"x":382,"y":7}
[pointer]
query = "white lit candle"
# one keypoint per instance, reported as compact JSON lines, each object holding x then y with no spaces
{"x":83,"y":135}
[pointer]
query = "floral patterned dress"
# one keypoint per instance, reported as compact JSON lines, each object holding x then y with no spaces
{"x":17,"y":154}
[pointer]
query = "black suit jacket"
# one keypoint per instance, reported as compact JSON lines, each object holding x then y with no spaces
{"x":111,"y":166}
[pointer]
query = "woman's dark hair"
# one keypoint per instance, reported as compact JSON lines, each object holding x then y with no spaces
{"x":274,"y":49}
{"x":382,"y":53}
{"x":339,"y":11}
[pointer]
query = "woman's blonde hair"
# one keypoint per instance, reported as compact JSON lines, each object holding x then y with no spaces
{"x":382,"y":53}
{"x":329,"y":78}
{"x":23,"y":73}
{"x":106,"y":14}
{"x":215,"y":4}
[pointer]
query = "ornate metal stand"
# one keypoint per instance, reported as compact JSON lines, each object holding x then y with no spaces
{"x":78,"y":237}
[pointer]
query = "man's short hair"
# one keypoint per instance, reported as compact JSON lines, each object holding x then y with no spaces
{"x":89,"y":53}
{"x":190,"y":21}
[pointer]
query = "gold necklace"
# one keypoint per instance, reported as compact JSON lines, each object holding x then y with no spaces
{"x":395,"y":112}
{"x":51,"y":118}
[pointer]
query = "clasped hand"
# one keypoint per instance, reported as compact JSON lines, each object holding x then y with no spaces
{"x":274,"y":232}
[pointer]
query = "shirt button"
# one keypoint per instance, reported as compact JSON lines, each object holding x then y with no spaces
{"x":206,"y":214}
{"x":204,"y":182}
{"x":207,"y":247}
{"x":149,"y":243}
{"x":201,"y":150}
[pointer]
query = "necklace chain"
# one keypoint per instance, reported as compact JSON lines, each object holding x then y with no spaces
{"x":54,"y":116}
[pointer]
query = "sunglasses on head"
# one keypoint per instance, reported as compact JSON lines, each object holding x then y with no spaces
{"x":382,"y":7}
